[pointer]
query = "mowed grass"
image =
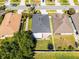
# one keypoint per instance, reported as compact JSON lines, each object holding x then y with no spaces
{"x":2,"y":0}
{"x":63,"y":41}
{"x":50,"y":2}
{"x":64,"y":2}
{"x":27,"y":1}
{"x":50,"y":12}
{"x":76,"y":2}
{"x":30,"y":24}
{"x":15,"y":0}
{"x":42,"y":44}
{"x":57,"y":55}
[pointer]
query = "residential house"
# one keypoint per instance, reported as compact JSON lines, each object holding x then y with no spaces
{"x":10,"y":25}
{"x":40,"y":26}
{"x":61,"y":24}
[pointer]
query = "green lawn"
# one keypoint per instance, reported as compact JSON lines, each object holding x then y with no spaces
{"x":50,"y":2}
{"x":42,"y":44}
{"x":62,"y":42}
{"x":57,"y":55}
{"x":64,"y":2}
{"x":76,"y":2}
{"x":15,"y":2}
{"x":27,"y":1}
{"x":51,"y":11}
{"x":2,"y":2}
{"x":30,"y":24}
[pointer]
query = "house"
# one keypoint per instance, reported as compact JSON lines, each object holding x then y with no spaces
{"x":61,"y":24}
{"x":40,"y":26}
{"x":10,"y":25}
{"x":37,"y":2}
{"x":75,"y":19}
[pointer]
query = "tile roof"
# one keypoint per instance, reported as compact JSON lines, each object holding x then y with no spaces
{"x":10,"y":24}
{"x":75,"y":19}
{"x":61,"y":24}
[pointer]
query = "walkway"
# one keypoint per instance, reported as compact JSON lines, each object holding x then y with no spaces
{"x":51,"y":28}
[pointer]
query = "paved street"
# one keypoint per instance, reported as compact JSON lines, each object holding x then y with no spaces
{"x":45,"y":7}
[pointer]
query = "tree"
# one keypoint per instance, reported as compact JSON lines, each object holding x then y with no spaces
{"x":70,"y":47}
{"x":71,"y":11}
{"x":19,"y":48}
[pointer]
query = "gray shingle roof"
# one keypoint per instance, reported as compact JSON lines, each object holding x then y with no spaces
{"x":40,"y":23}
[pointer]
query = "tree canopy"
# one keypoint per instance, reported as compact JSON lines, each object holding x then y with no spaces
{"x":20,"y":47}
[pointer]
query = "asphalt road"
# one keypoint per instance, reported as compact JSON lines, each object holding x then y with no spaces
{"x":45,"y":7}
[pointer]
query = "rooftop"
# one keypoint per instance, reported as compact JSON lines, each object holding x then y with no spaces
{"x":61,"y":24}
{"x":40,"y":23}
{"x":10,"y":24}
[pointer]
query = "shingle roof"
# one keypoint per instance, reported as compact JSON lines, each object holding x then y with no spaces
{"x":75,"y":19}
{"x":61,"y":24}
{"x":40,"y":23}
{"x":10,"y":24}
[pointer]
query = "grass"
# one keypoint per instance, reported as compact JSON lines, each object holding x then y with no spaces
{"x":15,"y":2}
{"x":63,"y":41}
{"x":50,"y":12}
{"x":64,"y":2}
{"x":2,"y":0}
{"x":57,"y":55}
{"x":49,"y":2}
{"x":30,"y":24}
{"x":76,"y":2}
{"x":42,"y":44}
{"x":1,"y":3}
{"x":27,"y":1}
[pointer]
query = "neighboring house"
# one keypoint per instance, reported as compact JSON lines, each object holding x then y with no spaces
{"x":75,"y":19}
{"x":61,"y":24}
{"x":40,"y":26}
{"x":37,"y":2}
{"x":10,"y":25}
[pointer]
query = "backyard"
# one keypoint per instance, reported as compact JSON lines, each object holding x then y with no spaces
{"x":42,"y":44}
{"x":57,"y":55}
{"x":62,"y":42}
